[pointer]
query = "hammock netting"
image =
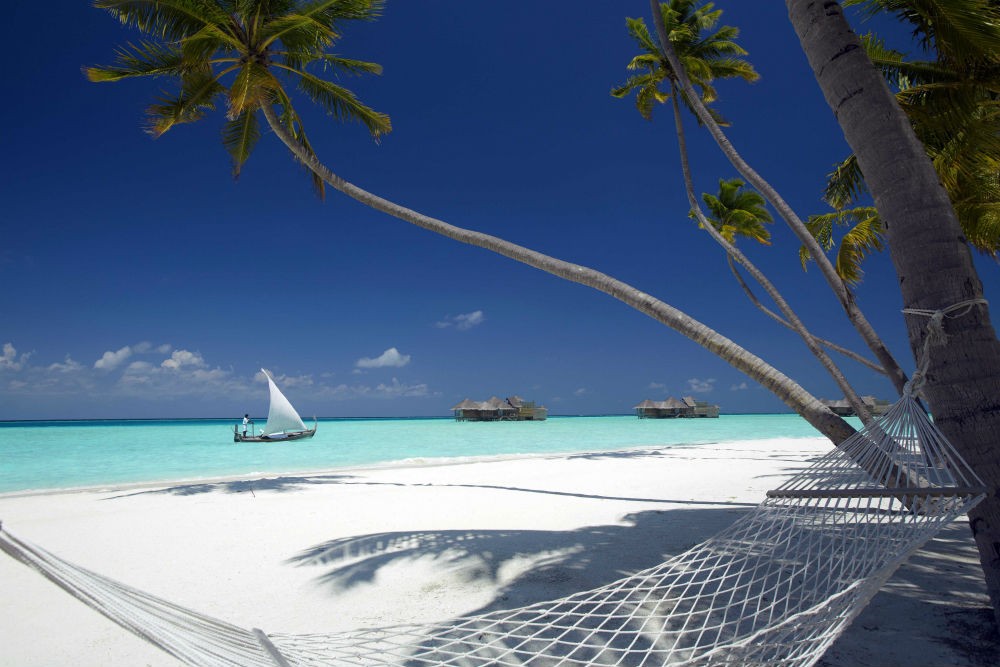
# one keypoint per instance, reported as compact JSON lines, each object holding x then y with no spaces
{"x":776,"y":588}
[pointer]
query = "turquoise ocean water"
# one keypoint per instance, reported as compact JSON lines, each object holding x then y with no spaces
{"x":45,"y":455}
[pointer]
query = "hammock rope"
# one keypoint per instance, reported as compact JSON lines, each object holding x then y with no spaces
{"x":775,"y":588}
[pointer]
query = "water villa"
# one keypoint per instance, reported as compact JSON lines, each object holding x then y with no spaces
{"x":876,"y":406}
{"x":672,"y":408}
{"x":513,"y":408}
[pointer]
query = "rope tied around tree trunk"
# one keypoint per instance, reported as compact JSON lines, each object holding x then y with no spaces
{"x":936,"y":335}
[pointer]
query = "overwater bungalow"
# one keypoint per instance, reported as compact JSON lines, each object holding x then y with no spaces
{"x":700,"y":408}
{"x":673,"y":408}
{"x":513,"y":408}
{"x":876,"y":406}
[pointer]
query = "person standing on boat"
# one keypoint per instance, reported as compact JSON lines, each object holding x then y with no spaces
{"x":246,"y":420}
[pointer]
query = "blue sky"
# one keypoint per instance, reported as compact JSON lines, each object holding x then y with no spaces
{"x":140,"y":280}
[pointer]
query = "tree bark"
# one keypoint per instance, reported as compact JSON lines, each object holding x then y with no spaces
{"x":790,"y":392}
{"x":932,"y":258}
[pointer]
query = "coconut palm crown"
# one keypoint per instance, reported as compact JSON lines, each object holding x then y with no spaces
{"x":738,"y":211}
{"x":242,"y":55}
{"x":953,"y":104}
{"x":714,"y":55}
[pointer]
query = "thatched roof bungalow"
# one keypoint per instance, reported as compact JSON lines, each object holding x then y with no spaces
{"x":876,"y":406}
{"x":673,"y":408}
{"x":513,"y":408}
{"x":700,"y":408}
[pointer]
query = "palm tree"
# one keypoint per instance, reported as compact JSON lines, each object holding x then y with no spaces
{"x":705,"y":57}
{"x":953,"y":103}
{"x":932,"y":260}
{"x":738,"y":211}
{"x":864,"y":235}
{"x":240,"y":54}
{"x":662,"y":19}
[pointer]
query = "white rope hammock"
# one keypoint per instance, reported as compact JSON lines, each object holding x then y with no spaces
{"x":776,"y":588}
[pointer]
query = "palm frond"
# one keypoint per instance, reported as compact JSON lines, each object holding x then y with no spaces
{"x":336,"y":11}
{"x":262,"y":8}
{"x":298,"y":33}
{"x":738,"y":211}
{"x":239,"y":136}
{"x":253,"y":86}
{"x":644,"y":101}
{"x":981,"y":224}
{"x":845,"y":184}
{"x":645,"y":62}
{"x":291,"y":121}
{"x":732,"y":68}
{"x":705,"y":59}
{"x":887,"y":60}
{"x":961,"y":31}
{"x":640,"y":33}
{"x":137,"y":60}
{"x":864,"y":236}
{"x":209,"y":41}
{"x":197,"y":96}
{"x":316,"y":22}
{"x":168,"y":19}
{"x":349,"y":65}
{"x":342,"y":103}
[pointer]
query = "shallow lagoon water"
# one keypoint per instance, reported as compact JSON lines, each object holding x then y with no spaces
{"x":43,"y":455}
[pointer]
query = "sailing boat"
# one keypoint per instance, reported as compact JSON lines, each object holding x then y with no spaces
{"x":283,"y":422}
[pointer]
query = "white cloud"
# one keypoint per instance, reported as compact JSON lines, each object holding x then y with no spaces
{"x":10,"y":361}
{"x":287,"y":380}
{"x":657,"y":385}
{"x":180,"y":375}
{"x":580,"y":392}
{"x":390,"y":357}
{"x":68,"y":366}
{"x":112,"y":360}
{"x":183,"y":359}
{"x":396,"y":389}
{"x":109,"y":361}
{"x":462,"y":322}
{"x":701,"y":386}
{"x":139,"y":367}
{"x":739,"y":387}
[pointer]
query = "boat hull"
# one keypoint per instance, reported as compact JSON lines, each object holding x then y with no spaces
{"x":281,"y":437}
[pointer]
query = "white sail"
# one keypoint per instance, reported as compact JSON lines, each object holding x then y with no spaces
{"x":281,"y":416}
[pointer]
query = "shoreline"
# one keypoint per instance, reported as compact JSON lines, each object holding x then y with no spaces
{"x":336,"y":550}
{"x":412,"y":462}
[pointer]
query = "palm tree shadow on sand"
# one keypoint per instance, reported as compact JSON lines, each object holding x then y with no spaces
{"x":562,"y":562}
{"x":568,"y":562}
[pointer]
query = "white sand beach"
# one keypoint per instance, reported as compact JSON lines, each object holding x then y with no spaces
{"x":337,"y":550}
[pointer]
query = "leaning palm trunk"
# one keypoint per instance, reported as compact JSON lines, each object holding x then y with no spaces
{"x":780,"y":320}
{"x":733,"y":253}
{"x":854,"y":314}
{"x":929,"y":252}
{"x":790,"y":392}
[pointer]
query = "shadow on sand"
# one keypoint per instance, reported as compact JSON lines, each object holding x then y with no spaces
{"x":295,"y":483}
{"x":936,"y":600}
{"x":564,"y":562}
